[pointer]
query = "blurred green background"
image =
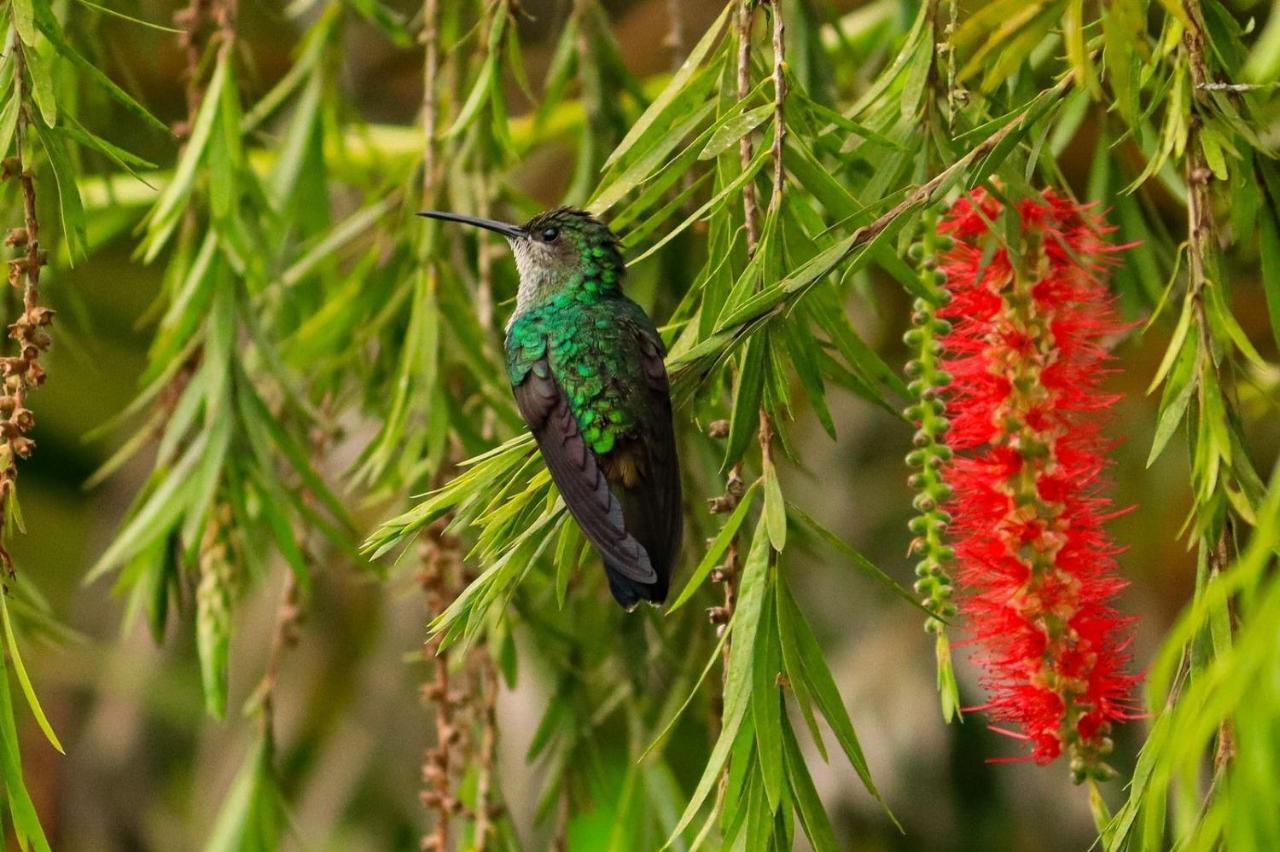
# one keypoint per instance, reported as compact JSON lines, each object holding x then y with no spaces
{"x":146,"y":769}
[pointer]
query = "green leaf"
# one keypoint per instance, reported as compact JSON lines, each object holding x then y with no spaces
{"x":126,"y":160}
{"x":737,"y":688}
{"x":387,"y":21}
{"x":9,"y":120}
{"x":169,"y":206}
{"x":476,"y":99}
{"x":729,"y":189}
{"x":252,"y":406}
{"x":26,"y":824}
{"x":822,"y":686}
{"x":748,"y":389}
{"x":614,"y":189}
{"x":846,"y":550}
{"x":813,"y":815}
{"x":569,"y":549}
{"x":1177,"y":394}
{"x":716,"y":550}
{"x":729,"y":132}
{"x":64,"y":174}
{"x":1175,"y":345}
{"x":1269,"y":252}
{"x":42,"y":86}
{"x":155,"y":516}
{"x":766,"y":706}
{"x":52,"y":30}
{"x":803,"y":351}
{"x":24,"y":681}
{"x":693,"y":693}
{"x":669,"y":95}
{"x":775,"y":508}
{"x":24,"y":20}
{"x":253,"y":816}
{"x":121,"y":15}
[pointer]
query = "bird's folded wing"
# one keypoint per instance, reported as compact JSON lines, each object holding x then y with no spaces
{"x":577,"y":474}
{"x":663,"y":469}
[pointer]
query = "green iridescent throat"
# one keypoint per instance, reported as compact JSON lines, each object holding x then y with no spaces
{"x":572,"y":321}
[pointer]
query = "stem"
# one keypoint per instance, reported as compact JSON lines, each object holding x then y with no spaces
{"x":284,"y":637}
{"x":438,"y":553}
{"x":746,"y":149}
{"x":921,"y":194}
{"x":430,"y":40}
{"x":764,"y":434}
{"x":23,"y":371}
{"x":290,"y":612}
{"x":1200,"y":246}
{"x":728,"y":572}
{"x":675,"y":35}
{"x":488,"y":697}
{"x":194,"y":21}
{"x":779,"y":105}
{"x":560,"y":843}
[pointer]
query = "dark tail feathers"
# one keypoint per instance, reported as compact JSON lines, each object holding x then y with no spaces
{"x":629,"y":593}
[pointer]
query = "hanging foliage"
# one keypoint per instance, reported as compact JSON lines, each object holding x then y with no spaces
{"x":323,"y":435}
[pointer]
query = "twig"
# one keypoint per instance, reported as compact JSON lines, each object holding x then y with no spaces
{"x":487,"y":699}
{"x":438,"y":554}
{"x":727,"y":573}
{"x":194,"y":21}
{"x":779,"y":106}
{"x":290,"y":613}
{"x":560,"y":843}
{"x":924,"y":192}
{"x":23,"y":371}
{"x":284,"y":637}
{"x":437,"y":550}
{"x":1200,"y":231}
{"x":430,"y":40}
{"x":675,"y":32}
{"x":750,"y":202}
{"x":1237,"y":87}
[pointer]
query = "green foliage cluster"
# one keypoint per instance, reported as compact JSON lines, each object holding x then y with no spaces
{"x":791,"y":158}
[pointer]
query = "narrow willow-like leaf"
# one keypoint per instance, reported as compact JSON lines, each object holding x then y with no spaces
{"x":817,"y":677}
{"x":813,"y":816}
{"x":717,"y":548}
{"x":664,"y":101}
{"x":737,"y":690}
{"x":22,"y":812}
{"x":20,"y":670}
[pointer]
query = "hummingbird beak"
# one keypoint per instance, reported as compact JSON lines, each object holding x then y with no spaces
{"x":511,"y":232}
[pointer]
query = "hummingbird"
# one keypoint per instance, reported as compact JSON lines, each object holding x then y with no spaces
{"x":585,"y":364}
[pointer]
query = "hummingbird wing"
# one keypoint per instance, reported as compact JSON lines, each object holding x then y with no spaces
{"x":651,"y":498}
{"x":576,"y":472}
{"x":590,"y":382}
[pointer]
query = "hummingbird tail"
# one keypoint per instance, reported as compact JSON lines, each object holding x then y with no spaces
{"x":629,"y":592}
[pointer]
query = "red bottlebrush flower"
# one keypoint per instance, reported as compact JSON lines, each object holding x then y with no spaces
{"x":1036,"y":569}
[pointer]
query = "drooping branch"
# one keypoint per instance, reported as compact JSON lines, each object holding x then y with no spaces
{"x":438,"y":556}
{"x":727,"y":573}
{"x":746,"y":149}
{"x":283,"y":637}
{"x":1201,"y":235}
{"x":21,"y":372}
{"x":436,"y":794}
{"x":485,"y":703}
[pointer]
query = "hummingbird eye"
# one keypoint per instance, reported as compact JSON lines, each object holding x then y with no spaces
{"x":549,"y":234}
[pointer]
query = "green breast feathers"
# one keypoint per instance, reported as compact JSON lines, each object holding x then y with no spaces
{"x":591,"y":349}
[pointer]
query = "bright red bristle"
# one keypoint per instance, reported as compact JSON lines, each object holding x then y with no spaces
{"x":1036,"y":568}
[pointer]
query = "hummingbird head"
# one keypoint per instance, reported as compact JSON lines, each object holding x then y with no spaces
{"x":560,"y":249}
